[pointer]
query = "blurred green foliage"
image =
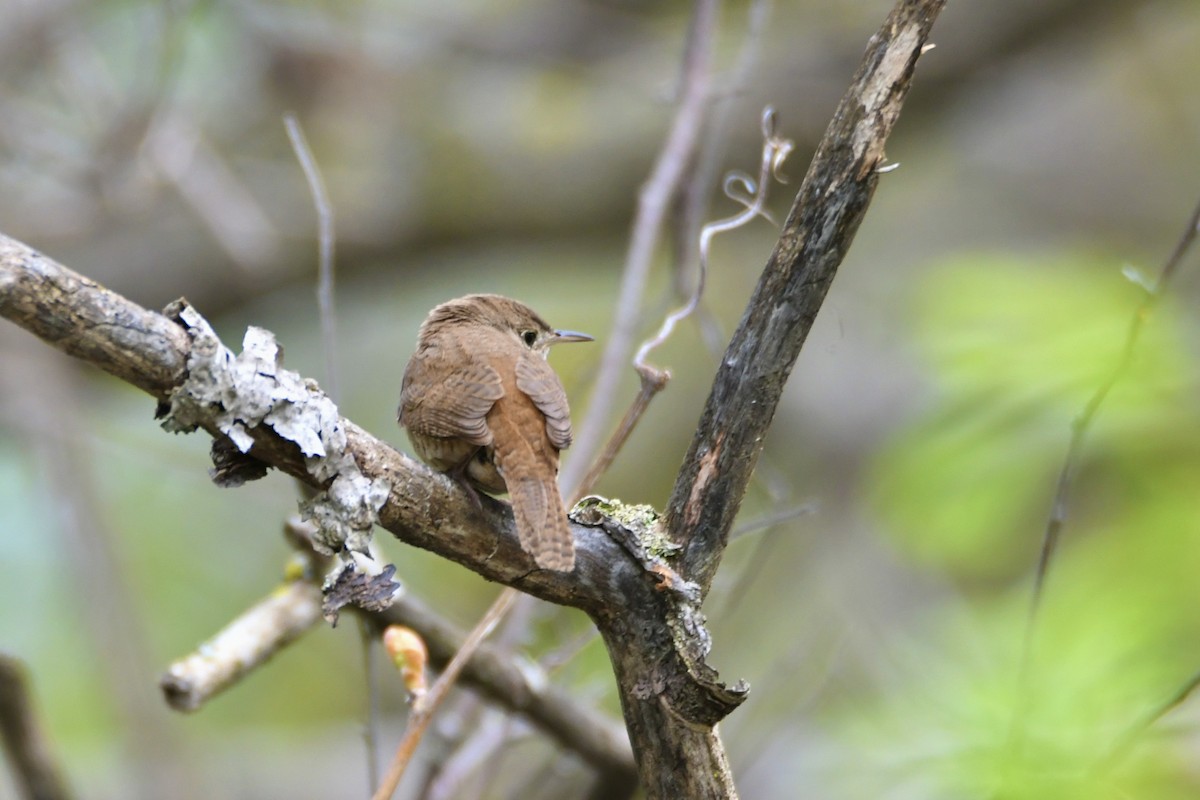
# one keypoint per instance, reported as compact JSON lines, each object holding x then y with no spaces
{"x":973,"y":708}
{"x":1015,"y":348}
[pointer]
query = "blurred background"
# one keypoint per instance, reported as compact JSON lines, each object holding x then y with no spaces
{"x":1048,"y":158}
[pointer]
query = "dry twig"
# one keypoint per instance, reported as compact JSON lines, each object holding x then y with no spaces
{"x":653,"y":201}
{"x":325,"y":245}
{"x":1082,"y":424}
{"x":423,"y":708}
{"x":1080,"y":427}
{"x":34,"y":767}
{"x":652,"y":379}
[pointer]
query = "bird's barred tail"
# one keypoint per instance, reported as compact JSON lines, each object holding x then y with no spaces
{"x":542,"y":523}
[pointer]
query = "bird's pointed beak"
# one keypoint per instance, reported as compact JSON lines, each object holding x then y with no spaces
{"x":570,"y":336}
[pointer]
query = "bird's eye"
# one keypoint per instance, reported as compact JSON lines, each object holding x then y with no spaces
{"x":529,"y":337}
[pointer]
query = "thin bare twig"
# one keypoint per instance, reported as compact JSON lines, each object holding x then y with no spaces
{"x":472,"y":757}
{"x":519,"y":689}
{"x":699,"y":188}
{"x":653,"y":202}
{"x":774,"y":151}
{"x":36,"y":772}
{"x":243,"y":645}
{"x":325,"y":240}
{"x":1080,"y":427}
{"x":422,"y":711}
{"x":371,"y":678}
{"x":771,"y":520}
{"x":654,"y":380}
{"x":1082,"y":424}
{"x":1129,"y":738}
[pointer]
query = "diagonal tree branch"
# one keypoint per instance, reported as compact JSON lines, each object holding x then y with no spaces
{"x":290,"y":610}
{"x":151,"y":351}
{"x":826,"y":214}
{"x":170,"y":358}
{"x":85,"y":320}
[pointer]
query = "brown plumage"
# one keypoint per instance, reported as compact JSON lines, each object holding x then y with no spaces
{"x":481,"y":403}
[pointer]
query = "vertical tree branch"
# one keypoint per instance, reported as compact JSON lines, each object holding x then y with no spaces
{"x":826,"y":214}
{"x":676,"y":759}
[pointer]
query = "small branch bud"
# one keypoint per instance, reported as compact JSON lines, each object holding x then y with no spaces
{"x":407,"y":650}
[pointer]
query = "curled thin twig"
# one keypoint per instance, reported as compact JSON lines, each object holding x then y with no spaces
{"x":654,"y":380}
{"x":665,"y":179}
{"x":695,"y":202}
{"x":775,"y":151}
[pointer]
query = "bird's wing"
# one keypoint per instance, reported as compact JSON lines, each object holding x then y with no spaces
{"x":437,"y":400}
{"x":538,"y":381}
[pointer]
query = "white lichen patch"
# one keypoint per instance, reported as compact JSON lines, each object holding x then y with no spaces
{"x":239,"y":394}
{"x":345,"y":512}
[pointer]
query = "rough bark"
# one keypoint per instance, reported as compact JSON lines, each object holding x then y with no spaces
{"x":819,"y":229}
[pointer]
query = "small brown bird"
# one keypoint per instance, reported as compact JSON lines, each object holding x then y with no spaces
{"x":481,"y":404}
